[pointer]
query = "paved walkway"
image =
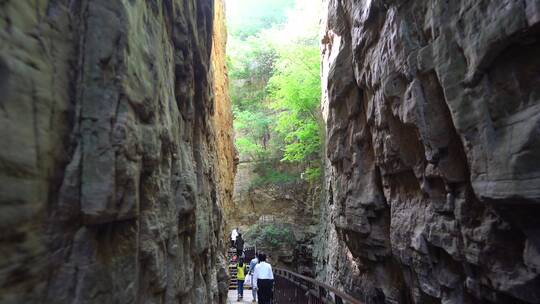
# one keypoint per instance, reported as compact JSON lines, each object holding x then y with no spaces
{"x":233,"y":296}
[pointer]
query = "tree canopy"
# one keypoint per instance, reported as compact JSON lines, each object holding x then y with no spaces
{"x":274,"y":70}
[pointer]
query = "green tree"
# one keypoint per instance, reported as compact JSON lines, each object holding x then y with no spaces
{"x":251,"y":128}
{"x":274,"y":65}
{"x":295,"y":89}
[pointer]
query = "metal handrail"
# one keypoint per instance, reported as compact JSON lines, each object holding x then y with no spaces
{"x":317,"y":289}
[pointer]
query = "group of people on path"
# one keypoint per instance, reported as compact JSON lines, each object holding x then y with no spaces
{"x":260,"y":272}
{"x":262,"y":279}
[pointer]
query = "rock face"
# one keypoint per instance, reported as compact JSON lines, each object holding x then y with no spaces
{"x":110,"y":184}
{"x":291,"y":206}
{"x":226,"y":157}
{"x":288,"y":201}
{"x":432,"y":111}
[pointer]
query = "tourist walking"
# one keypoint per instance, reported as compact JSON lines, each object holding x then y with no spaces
{"x":252,"y":265}
{"x":234,"y":234}
{"x":240,"y":277}
{"x":239,"y":246}
{"x":263,"y":279}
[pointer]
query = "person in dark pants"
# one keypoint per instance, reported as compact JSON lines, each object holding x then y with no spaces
{"x":240,"y":277}
{"x":264,"y":278}
{"x":252,"y":265}
{"x":239,"y":246}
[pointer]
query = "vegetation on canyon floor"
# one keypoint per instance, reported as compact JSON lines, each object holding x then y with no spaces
{"x":274,"y":70}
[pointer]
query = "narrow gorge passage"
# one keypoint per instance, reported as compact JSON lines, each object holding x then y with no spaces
{"x":387,"y":149}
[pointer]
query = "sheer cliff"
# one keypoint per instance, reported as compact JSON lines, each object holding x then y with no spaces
{"x":432,"y":113}
{"x":223,"y":117}
{"x":110,"y":182}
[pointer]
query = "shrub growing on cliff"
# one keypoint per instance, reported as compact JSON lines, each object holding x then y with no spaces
{"x":268,"y":174}
{"x":270,"y":236}
{"x":313,"y":174}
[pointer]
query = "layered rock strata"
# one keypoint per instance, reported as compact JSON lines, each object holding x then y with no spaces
{"x":110,"y":190}
{"x":432,"y":111}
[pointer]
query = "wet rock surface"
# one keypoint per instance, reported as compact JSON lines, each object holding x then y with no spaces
{"x":433,"y":175}
{"x":110,"y":184}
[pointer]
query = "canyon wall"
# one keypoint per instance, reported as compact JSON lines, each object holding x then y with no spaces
{"x":432,"y":112}
{"x":227,"y":157}
{"x":110,"y":182}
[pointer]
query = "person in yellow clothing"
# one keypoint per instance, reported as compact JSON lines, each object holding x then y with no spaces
{"x":240,"y":277}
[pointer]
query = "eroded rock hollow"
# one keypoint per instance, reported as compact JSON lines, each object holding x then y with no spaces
{"x":110,"y":182}
{"x":432,"y":111}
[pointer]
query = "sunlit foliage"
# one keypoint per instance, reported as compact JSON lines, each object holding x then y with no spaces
{"x":295,"y":88}
{"x":274,"y":69}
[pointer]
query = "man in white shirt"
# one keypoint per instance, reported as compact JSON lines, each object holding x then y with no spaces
{"x":263,"y":280}
{"x":234,"y":234}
